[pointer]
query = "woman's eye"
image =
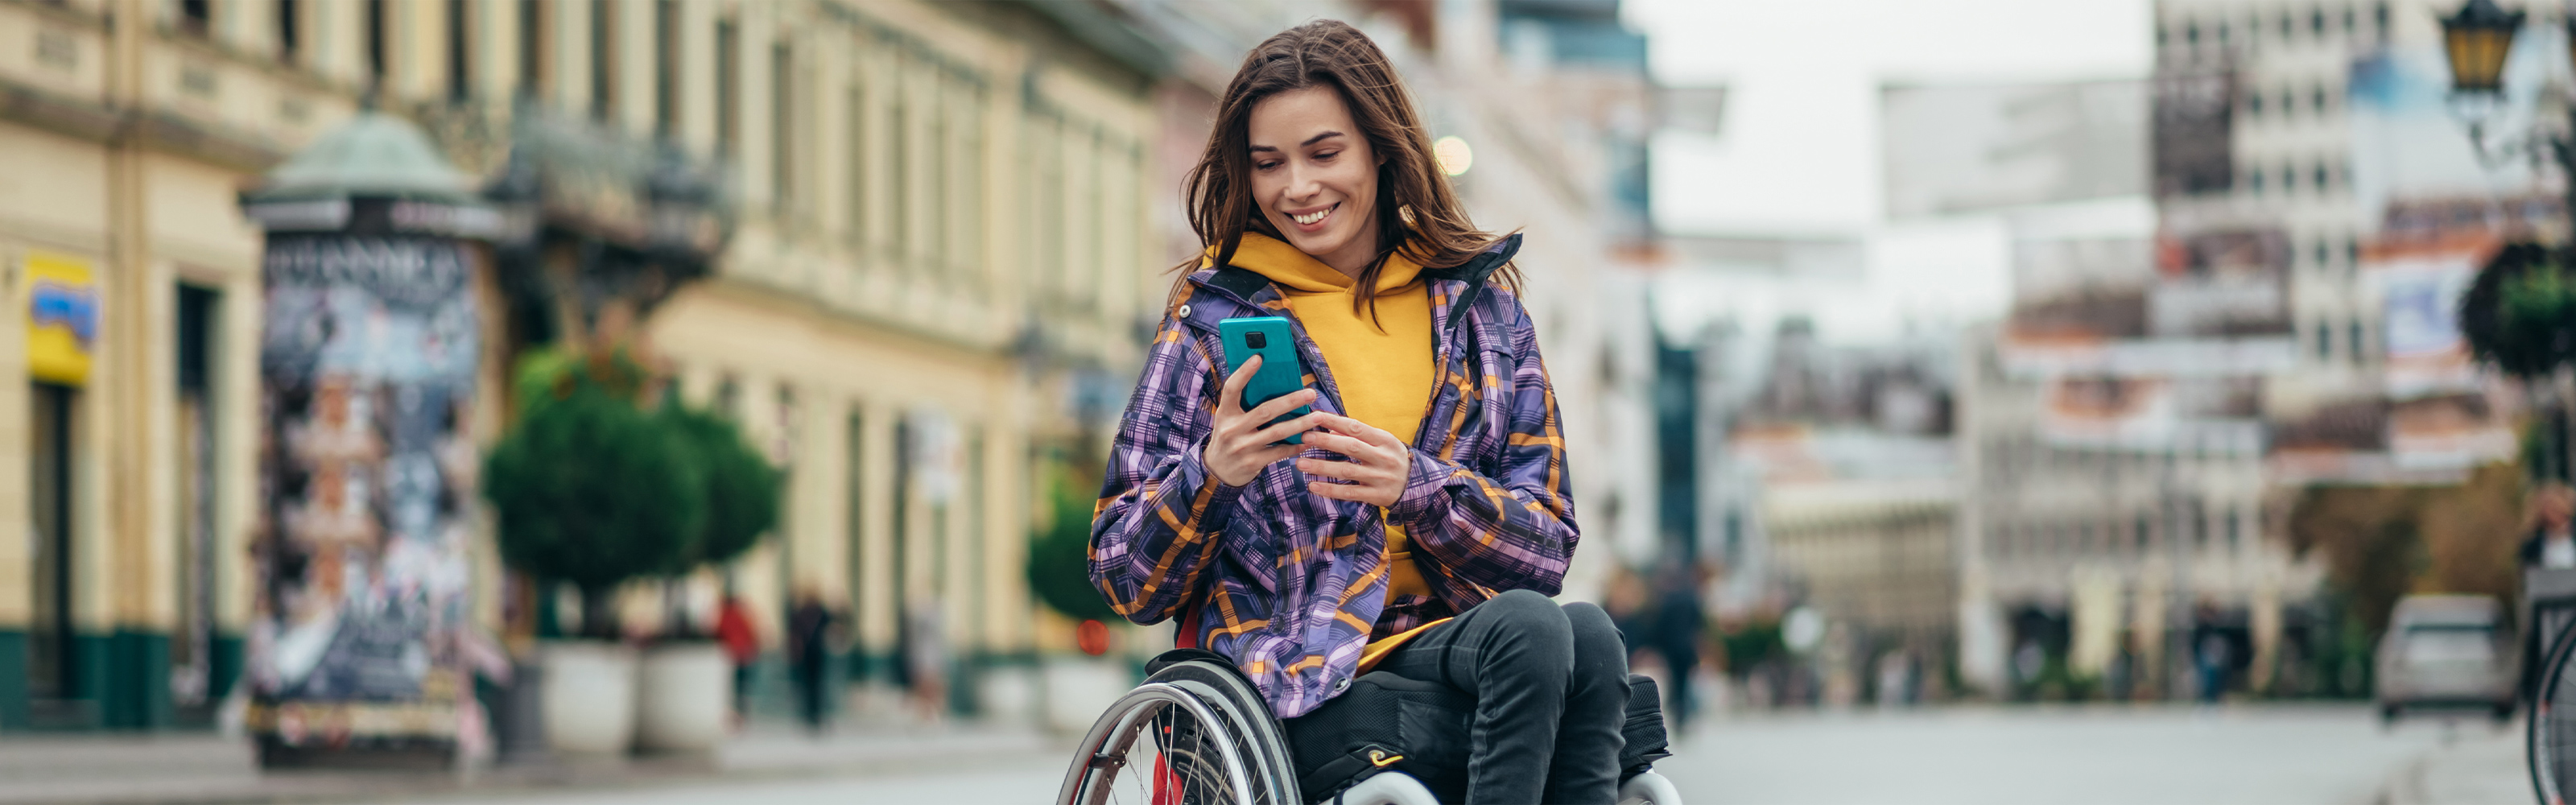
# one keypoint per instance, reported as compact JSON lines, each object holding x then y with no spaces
{"x":1265,"y":165}
{"x":1328,"y":155}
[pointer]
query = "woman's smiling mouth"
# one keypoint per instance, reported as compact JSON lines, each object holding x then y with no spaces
{"x":1313,"y":218}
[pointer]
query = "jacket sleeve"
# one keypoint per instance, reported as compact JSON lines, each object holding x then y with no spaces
{"x":1512,"y":530}
{"x":1155,"y":528}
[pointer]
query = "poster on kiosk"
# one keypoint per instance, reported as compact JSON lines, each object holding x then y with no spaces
{"x":360,"y":652}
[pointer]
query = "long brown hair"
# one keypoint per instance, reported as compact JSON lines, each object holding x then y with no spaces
{"x":1331,"y":53}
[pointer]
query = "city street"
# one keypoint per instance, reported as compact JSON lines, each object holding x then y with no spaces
{"x":2273,"y":755}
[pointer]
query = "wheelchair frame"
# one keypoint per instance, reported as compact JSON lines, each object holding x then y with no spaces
{"x":1251,"y":752}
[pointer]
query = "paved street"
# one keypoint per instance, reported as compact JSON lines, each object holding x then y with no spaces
{"x":2271,"y":755}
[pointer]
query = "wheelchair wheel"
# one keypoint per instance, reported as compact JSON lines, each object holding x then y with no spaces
{"x":1163,"y":744}
{"x":2551,"y":733}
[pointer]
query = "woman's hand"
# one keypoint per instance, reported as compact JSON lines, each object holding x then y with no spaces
{"x":1240,"y":446}
{"x":1378,"y":468}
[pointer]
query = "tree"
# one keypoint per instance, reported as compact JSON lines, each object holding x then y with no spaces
{"x":1059,"y":566}
{"x":590,"y":490}
{"x":2520,"y":315}
{"x":742,"y":489}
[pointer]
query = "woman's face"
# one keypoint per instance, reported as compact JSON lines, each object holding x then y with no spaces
{"x":1314,"y":177}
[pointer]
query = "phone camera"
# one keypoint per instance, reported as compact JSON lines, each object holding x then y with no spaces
{"x":1256,"y":340}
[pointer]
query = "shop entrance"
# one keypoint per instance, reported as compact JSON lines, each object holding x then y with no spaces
{"x":53,"y":647}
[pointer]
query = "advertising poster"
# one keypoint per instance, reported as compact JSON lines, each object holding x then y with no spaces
{"x":368,"y":357}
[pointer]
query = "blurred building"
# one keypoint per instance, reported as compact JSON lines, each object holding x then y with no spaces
{"x":939,"y":256}
{"x":128,"y":128}
{"x":1841,"y":466}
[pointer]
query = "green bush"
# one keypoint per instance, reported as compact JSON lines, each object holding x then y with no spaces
{"x":1059,"y":568}
{"x":742,"y":490}
{"x":596,"y":488}
{"x":592,"y":491}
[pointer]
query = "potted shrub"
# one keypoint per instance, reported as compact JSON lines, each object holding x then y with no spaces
{"x":684,"y":684}
{"x":1073,"y":689}
{"x":593,"y":491}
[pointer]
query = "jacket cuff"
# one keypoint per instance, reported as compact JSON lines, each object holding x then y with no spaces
{"x":1425,"y":497}
{"x":1220,"y":495}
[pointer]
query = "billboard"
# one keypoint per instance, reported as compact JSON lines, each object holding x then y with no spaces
{"x":2211,"y":303}
{"x":2194,"y":129}
{"x":1956,"y":149}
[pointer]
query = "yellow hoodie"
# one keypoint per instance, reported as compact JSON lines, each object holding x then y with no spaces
{"x":1383,"y":367}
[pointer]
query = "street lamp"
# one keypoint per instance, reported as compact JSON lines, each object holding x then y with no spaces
{"x":2477,"y":39}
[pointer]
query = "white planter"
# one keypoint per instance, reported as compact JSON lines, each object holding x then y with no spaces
{"x":682,"y":694}
{"x":1078,"y":689}
{"x":589,"y":696}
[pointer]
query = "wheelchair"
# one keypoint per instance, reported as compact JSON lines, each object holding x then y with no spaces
{"x":1198,"y":733}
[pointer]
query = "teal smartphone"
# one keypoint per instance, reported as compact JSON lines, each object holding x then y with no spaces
{"x":1281,"y":373}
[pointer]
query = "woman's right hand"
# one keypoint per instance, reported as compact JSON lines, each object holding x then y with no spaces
{"x":1241,"y":446}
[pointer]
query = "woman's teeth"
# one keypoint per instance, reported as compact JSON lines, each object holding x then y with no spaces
{"x":1312,"y":217}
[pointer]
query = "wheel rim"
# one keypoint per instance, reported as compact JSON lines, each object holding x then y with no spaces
{"x":2551,"y":735}
{"x":1159,"y":745}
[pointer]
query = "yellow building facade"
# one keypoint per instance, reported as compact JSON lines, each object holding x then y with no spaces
{"x":939,"y":240}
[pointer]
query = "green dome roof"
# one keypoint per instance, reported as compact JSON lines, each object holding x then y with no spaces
{"x":374,"y":154}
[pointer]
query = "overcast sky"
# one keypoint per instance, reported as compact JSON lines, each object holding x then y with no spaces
{"x":1799,"y":151}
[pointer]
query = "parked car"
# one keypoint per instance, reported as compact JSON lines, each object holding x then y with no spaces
{"x":2447,"y":652}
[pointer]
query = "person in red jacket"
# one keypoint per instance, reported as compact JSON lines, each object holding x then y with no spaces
{"x":742,"y":645}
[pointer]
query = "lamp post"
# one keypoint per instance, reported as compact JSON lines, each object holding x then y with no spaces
{"x":2475,"y":43}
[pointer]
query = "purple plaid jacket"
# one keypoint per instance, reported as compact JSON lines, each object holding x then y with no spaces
{"x":1289,"y":585}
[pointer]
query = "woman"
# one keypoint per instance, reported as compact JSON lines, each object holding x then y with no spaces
{"x":1425,"y":517}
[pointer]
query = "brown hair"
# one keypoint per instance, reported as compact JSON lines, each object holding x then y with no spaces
{"x":1331,"y":53}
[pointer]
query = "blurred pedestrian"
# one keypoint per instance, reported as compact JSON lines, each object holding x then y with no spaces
{"x":2212,"y":653}
{"x":742,"y":647}
{"x":2547,"y":545}
{"x":1679,"y":621}
{"x":925,"y":653}
{"x":809,"y":630}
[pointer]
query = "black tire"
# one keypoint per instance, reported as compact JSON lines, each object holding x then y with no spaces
{"x":1205,"y":731}
{"x":2549,"y":737}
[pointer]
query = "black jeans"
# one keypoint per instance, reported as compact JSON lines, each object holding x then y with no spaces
{"x":1551,"y":689}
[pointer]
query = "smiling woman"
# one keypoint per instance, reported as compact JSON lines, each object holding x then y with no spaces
{"x":1424,"y":518}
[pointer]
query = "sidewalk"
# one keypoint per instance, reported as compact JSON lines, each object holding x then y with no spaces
{"x":2479,"y":766}
{"x":203,"y":768}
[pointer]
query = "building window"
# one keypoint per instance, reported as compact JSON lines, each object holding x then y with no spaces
{"x":2325,"y":254}
{"x":290,"y":30}
{"x":375,"y":20}
{"x":2322,"y":177}
{"x":858,"y":162}
{"x":459,"y":67}
{"x":2325,"y":341}
{"x":2317,"y":23}
{"x":2254,"y":181}
{"x":2379,"y":18}
{"x":899,"y":174}
{"x":2358,"y":333}
{"x":195,"y":462}
{"x":782,"y":130}
{"x":2191,"y":33}
{"x":2318,"y":99}
{"x":196,"y":17}
{"x":2289,"y":179}
{"x":666,"y":67}
{"x":52,"y":661}
{"x":534,"y":35}
{"x":728,"y":89}
{"x":2288,"y":26}
{"x":603,"y":59}
{"x":2254,"y":104}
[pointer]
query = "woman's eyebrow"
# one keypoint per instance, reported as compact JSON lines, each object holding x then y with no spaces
{"x":1309,"y":141}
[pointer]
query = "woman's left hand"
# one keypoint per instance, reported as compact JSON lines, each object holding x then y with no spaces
{"x":1378,"y":468}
